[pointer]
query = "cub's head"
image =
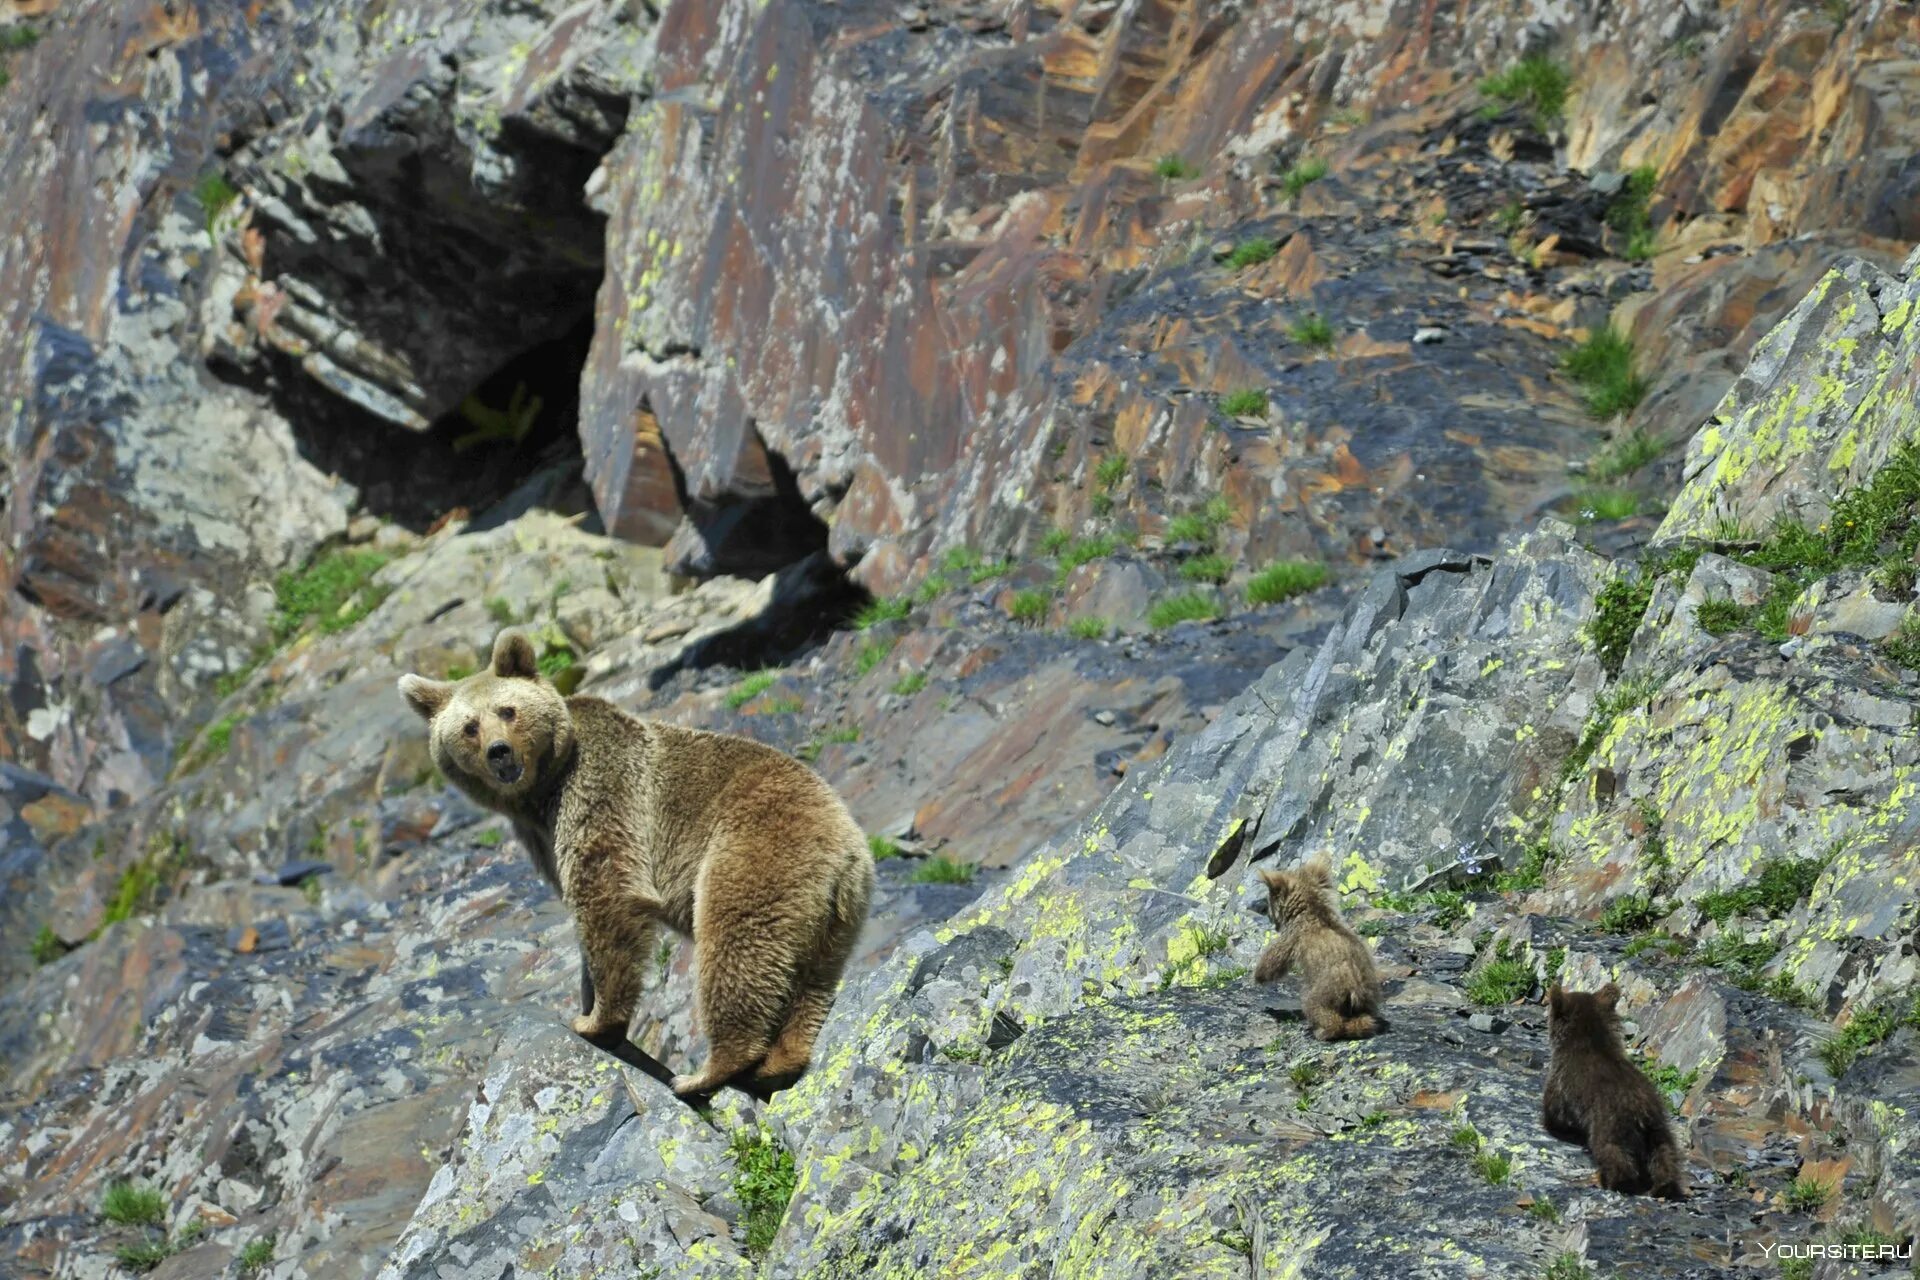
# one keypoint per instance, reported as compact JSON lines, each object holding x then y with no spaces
{"x":1572,"y":1012}
{"x":497,"y":734}
{"x":1297,"y":893}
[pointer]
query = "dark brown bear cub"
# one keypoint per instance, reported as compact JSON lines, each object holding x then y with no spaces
{"x":1596,"y":1096}
{"x":1340,"y":989}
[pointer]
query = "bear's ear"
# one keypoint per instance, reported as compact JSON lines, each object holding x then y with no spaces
{"x":513,"y":656}
{"x":424,"y":695}
{"x":1317,"y":874}
{"x":1556,"y":997}
{"x":1276,"y":880}
{"x":1608,"y":996}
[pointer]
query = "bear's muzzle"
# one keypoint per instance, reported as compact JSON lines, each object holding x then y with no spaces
{"x":505,"y":766}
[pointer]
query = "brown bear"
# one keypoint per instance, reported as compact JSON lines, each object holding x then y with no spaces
{"x":1341,"y":988}
{"x":1596,"y":1096}
{"x":729,"y":842}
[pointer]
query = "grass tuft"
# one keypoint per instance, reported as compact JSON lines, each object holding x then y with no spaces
{"x":1212,"y":567}
{"x":763,"y":1182}
{"x":1089,"y":628}
{"x":1603,"y":368}
{"x":941,"y":869}
{"x":1191,"y":606}
{"x":1173,"y":168}
{"x":132,"y":1205}
{"x":257,"y":1254}
{"x":1501,"y":980}
{"x":1305,"y":172}
{"x":46,"y":946}
{"x":1251,"y":253}
{"x":1283,"y":580}
{"x":882,"y":848}
{"x":875,"y":612}
{"x":1029,"y":606}
{"x":1249,"y":402}
{"x":1538,"y":84}
{"x":910,"y":684}
{"x":1311,"y":330}
{"x":1775,"y":891}
{"x":334,"y":592}
{"x":750,"y":687}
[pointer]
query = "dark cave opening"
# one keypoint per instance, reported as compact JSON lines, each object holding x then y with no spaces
{"x":512,"y":445}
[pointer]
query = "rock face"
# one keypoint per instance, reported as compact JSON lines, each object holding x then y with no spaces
{"x":1208,"y":509}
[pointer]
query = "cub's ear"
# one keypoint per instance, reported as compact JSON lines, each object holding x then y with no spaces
{"x":1556,"y":997}
{"x":513,"y":656}
{"x":1275,"y":880}
{"x":425,"y":696}
{"x":1609,"y":995}
{"x":1318,"y":874}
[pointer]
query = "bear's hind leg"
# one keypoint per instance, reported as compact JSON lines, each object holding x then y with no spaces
{"x":744,"y":986}
{"x":787,"y":1061}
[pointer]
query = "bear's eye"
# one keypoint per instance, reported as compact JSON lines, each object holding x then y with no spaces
{"x":506,"y":713}
{"x":473,"y":729}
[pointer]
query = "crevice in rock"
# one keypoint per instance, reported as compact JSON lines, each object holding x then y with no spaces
{"x":811,"y":600}
{"x":512,"y":445}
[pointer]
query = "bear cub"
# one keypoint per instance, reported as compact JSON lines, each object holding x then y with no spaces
{"x":1596,"y":1096}
{"x":638,"y":824}
{"x":1341,"y":995}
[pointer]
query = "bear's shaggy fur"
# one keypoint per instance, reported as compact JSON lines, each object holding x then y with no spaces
{"x":1596,"y":1096}
{"x":1341,"y":988}
{"x":729,"y":842}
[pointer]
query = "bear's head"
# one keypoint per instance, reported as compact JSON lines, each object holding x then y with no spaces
{"x":499,"y":734}
{"x":1295,"y":894}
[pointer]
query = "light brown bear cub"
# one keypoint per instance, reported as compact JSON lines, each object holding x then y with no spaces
{"x":1595,"y":1095}
{"x":732,"y":843}
{"x":1341,"y":988}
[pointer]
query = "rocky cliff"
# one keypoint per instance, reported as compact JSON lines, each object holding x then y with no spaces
{"x":1118,"y":446}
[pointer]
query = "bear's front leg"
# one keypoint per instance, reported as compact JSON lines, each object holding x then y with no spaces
{"x":615,"y":936}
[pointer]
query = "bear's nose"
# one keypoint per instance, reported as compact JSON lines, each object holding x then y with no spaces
{"x":499,"y":753}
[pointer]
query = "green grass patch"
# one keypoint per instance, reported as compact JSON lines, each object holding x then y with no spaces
{"x":1494,"y":1167}
{"x":1311,"y":330}
{"x":750,"y":687}
{"x":1603,"y":368}
{"x":1622,"y":603}
{"x":1173,"y":168}
{"x":1631,"y":913}
{"x":1543,"y":1209}
{"x":1110,"y":470}
{"x":46,"y":946}
{"x":491,"y":839}
{"x":1304,"y":173}
{"x":1201,"y":525}
{"x":1029,"y":606}
{"x":931,"y":588}
{"x":1252,"y":252}
{"x":1808,"y":1195}
{"x":941,"y":869}
{"x":1604,"y":503}
{"x":1565,"y":1266}
{"x":1465,"y":1138}
{"x":871,"y":654}
{"x":1530,"y":874}
{"x":1863,"y":1032}
{"x":1249,"y":402}
{"x":908,"y":685}
{"x":1663,"y":943}
{"x":333,"y":592}
{"x":1669,"y":1080}
{"x":129,"y":1204}
{"x":20,"y":36}
{"x":1089,"y":628}
{"x":875,"y":612}
{"x":257,"y":1255}
{"x":960,"y":560}
{"x":1778,"y":888}
{"x":1500,"y":981}
{"x":501,"y":610}
{"x":1449,"y":906}
{"x":1191,"y":606}
{"x":763,"y":1182}
{"x":1627,"y":212}
{"x":1283,"y":580}
{"x":144,"y":1255}
{"x":1212,"y":567}
{"x":1055,"y":541}
{"x":843,"y":733}
{"x":1538,"y":84}
{"x":1719,"y":617}
{"x":1623,"y":457}
{"x":1903,"y":646}
{"x":782,"y":707}
{"x":988,"y":571}
{"x":1085,"y":551}
{"x":882,"y":848}
{"x":214,"y":193}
